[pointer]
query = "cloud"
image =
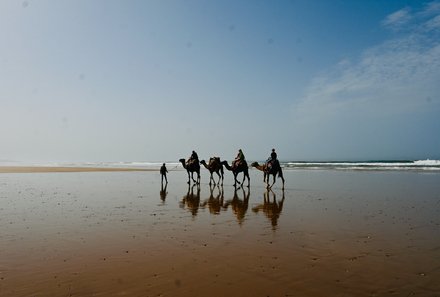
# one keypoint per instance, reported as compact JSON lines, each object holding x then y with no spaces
{"x":398,"y":18}
{"x":395,"y":77}
{"x":430,"y":9}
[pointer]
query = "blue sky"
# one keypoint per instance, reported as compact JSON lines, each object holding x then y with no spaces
{"x":153,"y":80}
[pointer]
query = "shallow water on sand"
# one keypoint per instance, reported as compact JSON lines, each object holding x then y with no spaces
{"x":329,"y":233}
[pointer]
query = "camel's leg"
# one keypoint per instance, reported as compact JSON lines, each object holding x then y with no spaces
{"x":219,"y":177}
{"x":248,"y":178}
{"x":235,"y":180}
{"x":268,"y":182}
{"x":192,"y":176}
{"x":274,"y":179}
{"x":280,"y":174}
{"x":188,"y":178}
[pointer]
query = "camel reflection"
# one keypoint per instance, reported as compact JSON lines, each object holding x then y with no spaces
{"x":239,"y":206}
{"x":272,"y":209}
{"x":214,"y":203}
{"x":191,"y":200}
{"x":163,"y":192}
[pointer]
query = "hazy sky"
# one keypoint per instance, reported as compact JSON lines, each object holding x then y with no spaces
{"x":89,"y":80}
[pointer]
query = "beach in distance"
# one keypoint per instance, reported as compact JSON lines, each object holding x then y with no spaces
{"x":116,"y":231}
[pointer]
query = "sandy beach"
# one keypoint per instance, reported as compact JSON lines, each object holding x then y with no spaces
{"x":118,"y":233}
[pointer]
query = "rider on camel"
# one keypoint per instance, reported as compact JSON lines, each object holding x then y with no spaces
{"x":272,"y":160}
{"x":238,"y":159}
{"x":194,"y":158}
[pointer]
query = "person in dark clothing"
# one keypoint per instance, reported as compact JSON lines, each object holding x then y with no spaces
{"x":163,"y":173}
{"x":239,"y":158}
{"x":272,"y":160}
{"x":194,"y":156}
{"x":273,"y":155}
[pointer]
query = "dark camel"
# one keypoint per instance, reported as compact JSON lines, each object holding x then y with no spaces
{"x":192,"y":167}
{"x":274,"y":170}
{"x":242,"y":167}
{"x":216,"y":166}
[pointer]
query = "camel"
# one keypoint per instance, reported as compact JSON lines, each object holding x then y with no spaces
{"x":242,"y":167}
{"x":216,"y":166}
{"x":191,"y":167}
{"x":274,"y":170}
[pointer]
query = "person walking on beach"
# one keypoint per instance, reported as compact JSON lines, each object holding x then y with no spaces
{"x":239,"y":158}
{"x":163,"y":173}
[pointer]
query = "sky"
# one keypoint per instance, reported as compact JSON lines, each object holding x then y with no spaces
{"x":104,"y":80}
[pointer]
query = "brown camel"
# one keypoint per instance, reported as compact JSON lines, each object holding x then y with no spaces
{"x":191,"y":167}
{"x":216,"y":166}
{"x":241,"y":167}
{"x":274,"y":170}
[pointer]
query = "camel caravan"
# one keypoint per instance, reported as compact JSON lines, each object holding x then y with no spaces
{"x":239,"y":165}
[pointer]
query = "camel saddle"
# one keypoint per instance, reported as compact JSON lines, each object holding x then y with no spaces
{"x":214,"y":160}
{"x":272,"y":164}
{"x":191,"y":162}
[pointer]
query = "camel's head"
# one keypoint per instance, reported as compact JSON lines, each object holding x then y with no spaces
{"x":182,"y":161}
{"x":202,"y":162}
{"x":255,"y":164}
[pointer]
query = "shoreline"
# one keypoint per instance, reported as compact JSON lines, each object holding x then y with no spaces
{"x":54,"y":169}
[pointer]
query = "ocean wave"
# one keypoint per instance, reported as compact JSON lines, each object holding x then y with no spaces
{"x":425,"y":165}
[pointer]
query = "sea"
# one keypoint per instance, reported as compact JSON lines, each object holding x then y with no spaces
{"x":371,"y":165}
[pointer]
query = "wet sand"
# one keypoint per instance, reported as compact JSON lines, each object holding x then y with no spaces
{"x":329,"y":233}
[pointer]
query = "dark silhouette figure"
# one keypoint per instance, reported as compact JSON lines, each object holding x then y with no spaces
{"x":163,"y":173}
{"x":242,"y":167}
{"x":216,"y":166}
{"x":193,"y":158}
{"x":238,"y":159}
{"x":191,"y":167}
{"x":273,"y":170}
{"x":272,"y":209}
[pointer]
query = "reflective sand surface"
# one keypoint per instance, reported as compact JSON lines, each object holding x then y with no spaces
{"x":329,"y":233}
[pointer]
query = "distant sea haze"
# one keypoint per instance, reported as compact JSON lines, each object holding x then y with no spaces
{"x":379,"y":165}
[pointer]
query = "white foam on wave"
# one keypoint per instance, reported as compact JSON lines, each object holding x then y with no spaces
{"x":427,"y":162}
{"x":426,"y":165}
